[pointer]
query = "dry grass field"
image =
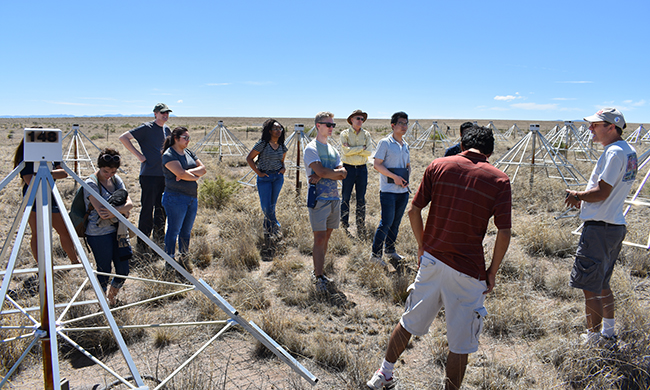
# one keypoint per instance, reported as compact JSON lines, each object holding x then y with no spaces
{"x":531,"y":337}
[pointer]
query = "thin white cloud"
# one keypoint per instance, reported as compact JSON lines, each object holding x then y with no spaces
{"x":217,"y":84}
{"x":179,"y":101}
{"x":640,"y":103}
{"x":535,"y":106}
{"x":508,"y":98}
{"x":574,"y":82}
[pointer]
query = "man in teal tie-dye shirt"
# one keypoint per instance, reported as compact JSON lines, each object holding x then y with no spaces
{"x":324,"y":168}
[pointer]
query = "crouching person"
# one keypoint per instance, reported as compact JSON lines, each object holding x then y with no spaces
{"x":468,"y":191}
{"x":101,"y":232}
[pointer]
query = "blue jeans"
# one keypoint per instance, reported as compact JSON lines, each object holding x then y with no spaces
{"x":181,"y":212}
{"x":268,"y":189}
{"x":357,"y":176}
{"x":105,"y":251}
{"x":392,"y":211}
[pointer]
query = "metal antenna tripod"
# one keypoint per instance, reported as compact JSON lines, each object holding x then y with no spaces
{"x":49,"y":327}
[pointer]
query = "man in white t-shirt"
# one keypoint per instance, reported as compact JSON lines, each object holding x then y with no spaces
{"x":601,"y":209}
{"x":323,"y":166}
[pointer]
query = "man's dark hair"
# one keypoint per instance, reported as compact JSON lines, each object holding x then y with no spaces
{"x":479,"y":137}
{"x":464,"y":127}
{"x":396,"y":116}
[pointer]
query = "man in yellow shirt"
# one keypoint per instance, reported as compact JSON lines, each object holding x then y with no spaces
{"x":356,"y":146}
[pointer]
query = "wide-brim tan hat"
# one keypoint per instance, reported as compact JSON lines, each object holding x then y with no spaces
{"x":357,"y":112}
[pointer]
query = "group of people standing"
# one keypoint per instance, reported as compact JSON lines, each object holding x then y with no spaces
{"x":463,"y":192}
{"x":168,"y":179}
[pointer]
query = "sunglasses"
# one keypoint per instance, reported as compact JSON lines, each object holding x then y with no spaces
{"x":359,"y":118}
{"x":109,"y":158}
{"x":328,"y":124}
{"x":185,"y":137}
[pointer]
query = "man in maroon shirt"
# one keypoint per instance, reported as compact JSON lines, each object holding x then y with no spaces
{"x":464,"y":191}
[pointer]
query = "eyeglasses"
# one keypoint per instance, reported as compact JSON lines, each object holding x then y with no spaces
{"x":278,"y":128}
{"x":185,"y":137}
{"x":328,"y":124}
{"x":402,"y":123}
{"x":359,"y":118}
{"x":110,"y":157}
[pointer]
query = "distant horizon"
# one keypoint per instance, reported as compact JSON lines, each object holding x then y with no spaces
{"x":62,"y":116}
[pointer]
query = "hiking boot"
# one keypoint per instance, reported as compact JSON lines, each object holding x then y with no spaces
{"x":394,"y":256}
{"x":379,"y":382}
{"x":377,"y":260}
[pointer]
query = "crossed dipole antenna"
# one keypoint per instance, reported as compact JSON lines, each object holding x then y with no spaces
{"x":432,"y":134}
{"x":220,"y":142}
{"x":498,"y":135}
{"x":535,"y":152}
{"x":514,"y":131}
{"x":56,"y":320}
{"x":77,"y":155}
{"x":569,"y":139}
{"x":639,"y":134}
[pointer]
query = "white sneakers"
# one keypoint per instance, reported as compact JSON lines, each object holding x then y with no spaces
{"x":379,"y":382}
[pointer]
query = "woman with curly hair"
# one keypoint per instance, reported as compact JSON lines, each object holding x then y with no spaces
{"x":269,"y":167}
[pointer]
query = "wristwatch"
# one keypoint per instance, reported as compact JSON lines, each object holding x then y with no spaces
{"x":576,"y":197}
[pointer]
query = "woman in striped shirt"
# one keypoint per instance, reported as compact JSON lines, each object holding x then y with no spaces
{"x":269,"y":167}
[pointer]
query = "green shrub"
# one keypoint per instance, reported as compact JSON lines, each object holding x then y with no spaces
{"x":216,"y":193}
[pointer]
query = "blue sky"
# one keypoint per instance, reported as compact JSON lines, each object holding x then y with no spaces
{"x":532,"y":60}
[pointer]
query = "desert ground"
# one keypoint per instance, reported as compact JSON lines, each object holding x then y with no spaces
{"x":531,"y":337}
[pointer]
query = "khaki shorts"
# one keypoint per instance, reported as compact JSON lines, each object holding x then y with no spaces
{"x":438,"y":285}
{"x":325,"y":215}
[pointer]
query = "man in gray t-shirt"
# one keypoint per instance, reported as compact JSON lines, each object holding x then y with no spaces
{"x":323,"y":167}
{"x":150,"y":137}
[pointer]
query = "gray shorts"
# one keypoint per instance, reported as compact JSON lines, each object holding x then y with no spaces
{"x":325,"y":215}
{"x":598,"y":249}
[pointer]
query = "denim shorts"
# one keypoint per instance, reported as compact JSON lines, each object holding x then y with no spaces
{"x":438,"y":285}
